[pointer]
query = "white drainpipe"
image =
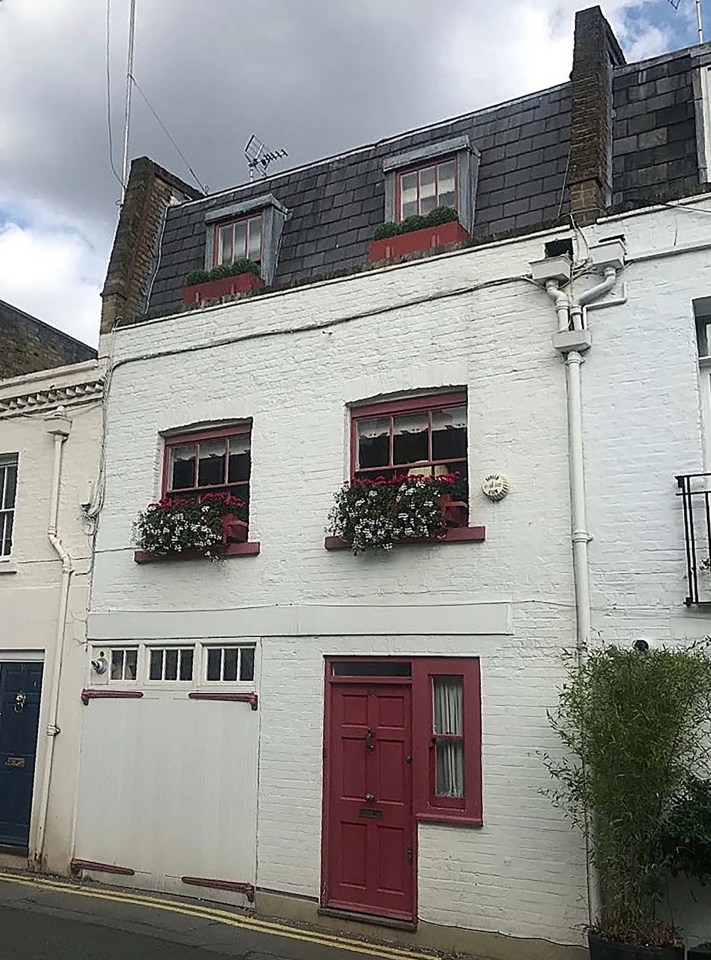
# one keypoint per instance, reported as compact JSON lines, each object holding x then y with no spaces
{"x":571,"y":341}
{"x":60,"y":428}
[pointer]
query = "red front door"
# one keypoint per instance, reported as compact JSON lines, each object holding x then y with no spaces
{"x":369,"y":829}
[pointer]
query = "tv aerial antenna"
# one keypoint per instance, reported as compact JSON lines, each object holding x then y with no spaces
{"x":699,"y":17}
{"x":259,"y":158}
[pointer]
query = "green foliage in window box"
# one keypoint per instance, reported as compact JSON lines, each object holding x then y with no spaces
{"x":372,"y":515}
{"x":221,"y":271}
{"x":197,"y":276}
{"x":173,"y":525}
{"x":385,"y":230}
{"x":634,"y":728}
{"x":243,"y":265}
{"x":441,"y":215}
{"x":416,"y":222}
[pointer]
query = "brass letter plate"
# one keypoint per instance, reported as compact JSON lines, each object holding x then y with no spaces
{"x":15,"y":762}
{"x":371,"y":813}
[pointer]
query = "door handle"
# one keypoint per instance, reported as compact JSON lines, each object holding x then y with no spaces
{"x":369,"y":737}
{"x":369,"y":797}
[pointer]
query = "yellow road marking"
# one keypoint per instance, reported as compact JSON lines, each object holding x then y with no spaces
{"x":220,"y":916}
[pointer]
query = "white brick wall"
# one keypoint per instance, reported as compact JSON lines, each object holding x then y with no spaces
{"x":522,"y":874}
{"x":30,"y":583}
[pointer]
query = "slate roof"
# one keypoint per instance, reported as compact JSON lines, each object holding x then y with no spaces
{"x":335,"y":204}
{"x":654,"y":145}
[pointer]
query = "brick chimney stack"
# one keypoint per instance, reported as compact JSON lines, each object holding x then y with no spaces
{"x":149,"y":193}
{"x":596,"y":52}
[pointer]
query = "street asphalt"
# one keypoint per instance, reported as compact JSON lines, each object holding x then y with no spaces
{"x":39,"y":921}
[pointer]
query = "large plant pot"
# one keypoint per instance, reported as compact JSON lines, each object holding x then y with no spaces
{"x":601,"y":949}
{"x":234,"y":530}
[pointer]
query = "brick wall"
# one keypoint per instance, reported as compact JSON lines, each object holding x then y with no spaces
{"x":27,"y":344}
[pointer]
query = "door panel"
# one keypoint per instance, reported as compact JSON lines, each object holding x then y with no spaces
{"x":20,"y":688}
{"x":370,"y":830}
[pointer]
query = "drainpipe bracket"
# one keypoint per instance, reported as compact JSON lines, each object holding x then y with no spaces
{"x":572,"y":341}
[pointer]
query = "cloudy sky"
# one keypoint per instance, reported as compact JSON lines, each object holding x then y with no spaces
{"x":313,"y":76}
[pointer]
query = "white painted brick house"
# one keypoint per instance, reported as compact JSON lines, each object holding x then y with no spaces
{"x":363,"y":736}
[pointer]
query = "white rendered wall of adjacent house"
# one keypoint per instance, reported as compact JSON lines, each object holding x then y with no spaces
{"x":642,"y":427}
{"x":508,"y":600}
{"x":30,"y":578}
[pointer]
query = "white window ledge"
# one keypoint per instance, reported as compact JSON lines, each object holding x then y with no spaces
{"x":7,"y":566}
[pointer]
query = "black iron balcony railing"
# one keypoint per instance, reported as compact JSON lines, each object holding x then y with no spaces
{"x":695,"y":493}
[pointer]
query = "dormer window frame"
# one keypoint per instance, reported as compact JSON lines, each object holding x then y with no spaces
{"x":467,"y":172}
{"x":418,"y":169}
{"x":217,"y":245}
{"x":274,"y":215}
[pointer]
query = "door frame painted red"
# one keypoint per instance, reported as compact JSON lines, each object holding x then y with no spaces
{"x":329,"y":682}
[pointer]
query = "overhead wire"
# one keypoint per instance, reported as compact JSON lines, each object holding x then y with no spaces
{"x":168,"y":133}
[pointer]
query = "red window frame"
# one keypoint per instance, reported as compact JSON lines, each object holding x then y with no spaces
{"x":418,"y":168}
{"x":429,"y":806}
{"x":216,"y":251}
{"x":237,"y":488}
{"x":390,"y":409}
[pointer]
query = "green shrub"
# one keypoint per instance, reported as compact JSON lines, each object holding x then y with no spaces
{"x":441,"y":215}
{"x":384,"y":230}
{"x":687,"y":832}
{"x":221,"y":271}
{"x":633,"y":726}
{"x":415,"y":222}
{"x":243,"y":265}
{"x":197,"y":276}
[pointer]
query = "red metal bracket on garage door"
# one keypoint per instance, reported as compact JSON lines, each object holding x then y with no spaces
{"x":246,"y":888}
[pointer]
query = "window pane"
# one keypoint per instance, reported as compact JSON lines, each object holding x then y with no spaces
{"x":117,"y":664}
{"x":410,"y":434}
{"x":213,"y":664}
{"x":130,"y":664}
{"x":702,"y":336}
{"x":449,"y":433}
{"x":226,"y":244}
{"x":239,"y":458}
{"x":211,"y":469}
{"x":447,"y":705}
{"x":6,"y":534}
{"x":171,"y":665}
{"x":254,"y":246}
{"x":408,"y":194}
{"x":428,"y":190}
{"x":373,"y":442}
{"x":182,"y":469}
{"x":379,"y":668}
{"x":246,"y":666}
{"x":156,"y":671}
{"x":450,"y":768}
{"x":10,"y":486}
{"x":186,"y":664}
{"x":240,"y":249}
{"x":447,"y":192}
{"x":230,"y":668}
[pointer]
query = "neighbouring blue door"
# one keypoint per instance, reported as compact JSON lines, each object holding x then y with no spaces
{"x":20,"y":686}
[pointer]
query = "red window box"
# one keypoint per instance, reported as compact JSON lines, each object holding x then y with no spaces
{"x":247,"y":549}
{"x":429,"y":238}
{"x":226,"y":286}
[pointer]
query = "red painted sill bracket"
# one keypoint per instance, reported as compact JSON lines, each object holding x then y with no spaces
{"x":453,"y":535}
{"x":96,"y":867}
{"x":246,"y":888}
{"x":251,"y":698}
{"x":87,"y":695}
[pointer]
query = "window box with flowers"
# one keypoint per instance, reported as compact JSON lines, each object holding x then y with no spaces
{"x":224,"y":280}
{"x":174,"y":528}
{"x":408,"y":476}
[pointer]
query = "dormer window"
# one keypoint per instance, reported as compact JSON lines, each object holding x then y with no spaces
{"x":238,"y":239}
{"x":425,"y":188}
